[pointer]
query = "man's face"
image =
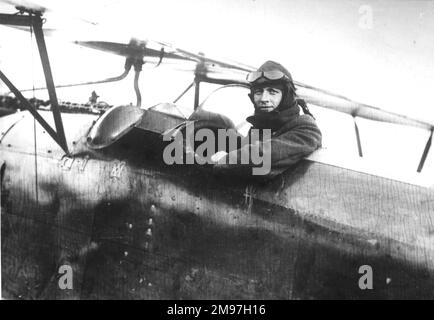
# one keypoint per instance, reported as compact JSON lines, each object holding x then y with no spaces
{"x":267,"y":98}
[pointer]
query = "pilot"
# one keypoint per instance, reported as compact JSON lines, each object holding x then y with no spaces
{"x":293,"y":135}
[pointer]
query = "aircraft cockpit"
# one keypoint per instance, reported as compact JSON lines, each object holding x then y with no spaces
{"x":124,"y":130}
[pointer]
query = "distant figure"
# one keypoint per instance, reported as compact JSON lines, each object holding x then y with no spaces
{"x":93,"y":98}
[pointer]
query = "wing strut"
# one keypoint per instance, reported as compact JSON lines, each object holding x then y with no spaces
{"x":34,"y":20}
{"x":359,"y":144}
{"x":39,"y":35}
{"x":33,"y":111}
{"x":425,"y":152}
{"x":196,"y":93}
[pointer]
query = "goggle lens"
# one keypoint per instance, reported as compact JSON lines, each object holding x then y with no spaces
{"x":269,"y":75}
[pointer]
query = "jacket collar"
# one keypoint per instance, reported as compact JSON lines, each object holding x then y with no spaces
{"x":274,"y":120}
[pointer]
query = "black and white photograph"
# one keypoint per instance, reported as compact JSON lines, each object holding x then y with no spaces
{"x":231,"y":150}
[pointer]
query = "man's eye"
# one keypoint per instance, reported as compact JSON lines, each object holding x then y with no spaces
{"x":273,"y":92}
{"x":257,"y":92}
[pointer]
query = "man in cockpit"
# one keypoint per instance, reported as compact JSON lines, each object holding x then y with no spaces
{"x":293,"y":135}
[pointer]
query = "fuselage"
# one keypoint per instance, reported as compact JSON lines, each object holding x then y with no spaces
{"x":132,"y":227}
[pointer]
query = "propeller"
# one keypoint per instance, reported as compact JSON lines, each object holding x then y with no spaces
{"x":180,"y":59}
{"x":138,"y":48}
{"x":236,"y":72}
{"x":135,"y":49}
{"x":200,"y":57}
{"x":342,"y":104}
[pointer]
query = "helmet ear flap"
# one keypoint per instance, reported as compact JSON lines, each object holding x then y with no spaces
{"x":285,"y":96}
{"x":292,"y":87}
{"x":251,"y":97}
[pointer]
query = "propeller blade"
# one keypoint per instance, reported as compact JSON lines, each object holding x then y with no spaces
{"x":199,"y":57}
{"x":214,"y":62}
{"x":338,"y":103}
{"x":133,"y":49}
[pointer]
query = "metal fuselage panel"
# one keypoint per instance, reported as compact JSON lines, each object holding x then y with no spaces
{"x":153,"y":232}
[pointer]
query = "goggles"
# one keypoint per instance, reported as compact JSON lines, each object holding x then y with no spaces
{"x":269,"y":75}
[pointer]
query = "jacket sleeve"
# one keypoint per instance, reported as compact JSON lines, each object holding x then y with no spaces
{"x":297,"y":140}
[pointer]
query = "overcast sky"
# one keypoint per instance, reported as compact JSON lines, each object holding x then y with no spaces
{"x":376,"y":52}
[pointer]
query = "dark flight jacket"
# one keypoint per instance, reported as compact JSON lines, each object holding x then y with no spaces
{"x":293,"y":137}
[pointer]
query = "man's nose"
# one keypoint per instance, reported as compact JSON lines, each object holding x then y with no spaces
{"x":265,"y":96}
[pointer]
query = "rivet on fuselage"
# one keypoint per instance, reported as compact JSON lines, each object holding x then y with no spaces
{"x":149,"y":232}
{"x":150,"y":222}
{"x":126,"y":253}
